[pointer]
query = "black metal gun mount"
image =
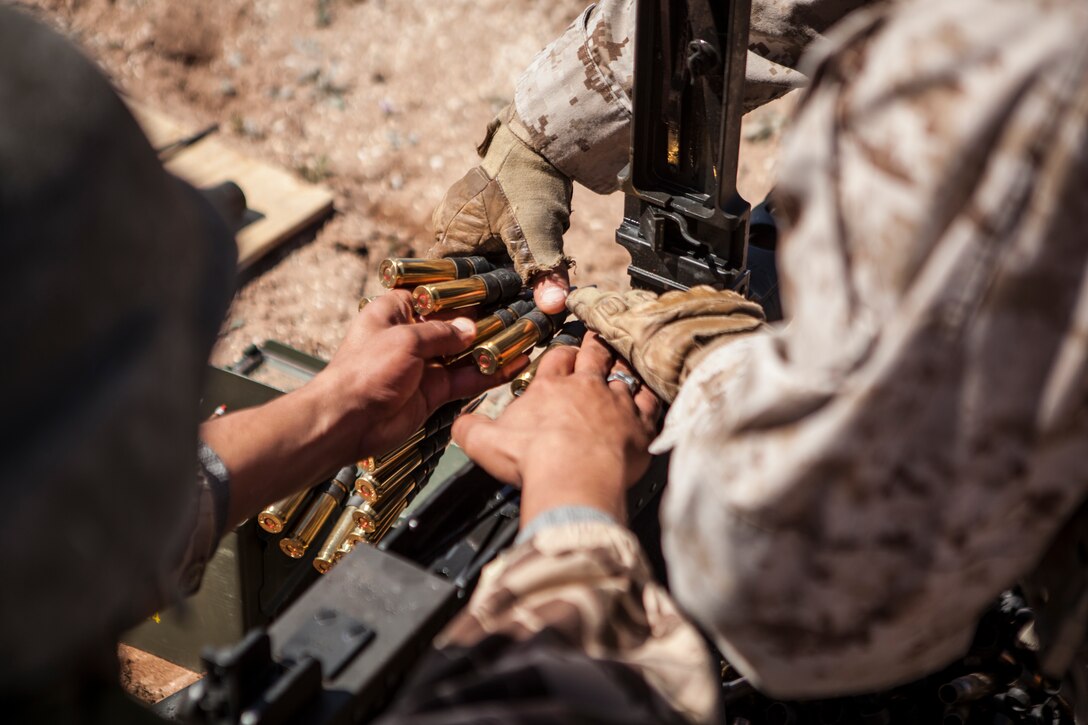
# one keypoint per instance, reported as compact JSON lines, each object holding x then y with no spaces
{"x":684,"y":222}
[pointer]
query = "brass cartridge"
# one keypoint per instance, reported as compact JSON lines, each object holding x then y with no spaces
{"x":276,"y":516}
{"x":520,"y":337}
{"x":406,"y":272}
{"x":492,"y":325}
{"x":373,"y":486}
{"x":370,"y":515}
{"x":328,"y":554}
{"x":373,"y":463}
{"x":313,"y":520}
{"x":570,"y":336}
{"x":481,"y":289}
{"x":386,"y":524}
{"x":440,"y":420}
{"x":355,"y":536}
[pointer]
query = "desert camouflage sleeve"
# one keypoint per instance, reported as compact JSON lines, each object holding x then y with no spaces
{"x":567,"y":626}
{"x":861,"y":482}
{"x":573,"y":103}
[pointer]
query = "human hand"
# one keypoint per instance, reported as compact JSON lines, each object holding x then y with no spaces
{"x":665,"y":337}
{"x":387,"y":376}
{"x":572,"y":439}
{"x":513,"y":204}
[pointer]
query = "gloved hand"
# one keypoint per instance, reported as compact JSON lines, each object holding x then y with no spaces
{"x":665,"y":337}
{"x":514,"y":203}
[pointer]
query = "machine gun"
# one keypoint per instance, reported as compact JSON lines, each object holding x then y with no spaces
{"x":338,"y":653}
{"x":684,"y":222}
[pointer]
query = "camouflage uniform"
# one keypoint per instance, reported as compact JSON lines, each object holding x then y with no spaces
{"x":847,"y":492}
{"x":573,"y":103}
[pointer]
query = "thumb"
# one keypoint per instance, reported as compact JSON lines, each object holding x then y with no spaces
{"x":550,"y":291}
{"x":434,"y":338}
{"x":485,"y":443}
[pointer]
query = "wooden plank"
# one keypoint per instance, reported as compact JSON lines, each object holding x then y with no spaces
{"x":150,"y":678}
{"x":287,"y":205}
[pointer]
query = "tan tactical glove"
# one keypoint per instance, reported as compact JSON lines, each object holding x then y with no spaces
{"x":665,"y":337}
{"x":513,"y":203}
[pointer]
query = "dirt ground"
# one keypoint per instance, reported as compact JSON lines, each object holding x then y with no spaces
{"x":382,"y":101}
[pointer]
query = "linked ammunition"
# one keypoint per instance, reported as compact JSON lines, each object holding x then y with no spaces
{"x":386,"y":523}
{"x":324,"y":504}
{"x":493,"y":324}
{"x":274,"y":518}
{"x":405,"y":272}
{"x":330,"y":550}
{"x":480,"y":289}
{"x":376,"y":486}
{"x":570,"y":336}
{"x":441,"y":419}
{"x":966,"y":688}
{"x":520,"y":337}
{"x":372,"y":515}
{"x":355,"y":536}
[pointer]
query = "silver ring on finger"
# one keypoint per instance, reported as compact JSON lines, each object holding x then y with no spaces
{"x":630,"y":381}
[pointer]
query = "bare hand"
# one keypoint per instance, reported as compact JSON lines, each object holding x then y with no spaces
{"x":572,"y":439}
{"x":385,"y":370}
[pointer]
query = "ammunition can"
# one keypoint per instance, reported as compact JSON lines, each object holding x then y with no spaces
{"x":329,"y":552}
{"x":481,"y":289}
{"x":520,"y":337}
{"x":313,"y":520}
{"x":405,"y":272}
{"x":570,"y":336}
{"x":275,"y":517}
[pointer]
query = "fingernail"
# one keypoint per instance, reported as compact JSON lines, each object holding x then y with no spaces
{"x":464,"y":325}
{"x":553,"y":296}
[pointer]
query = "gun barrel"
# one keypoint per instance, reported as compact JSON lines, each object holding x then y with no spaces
{"x":480,"y":289}
{"x":323,"y":506}
{"x":277,"y":515}
{"x":406,"y":272}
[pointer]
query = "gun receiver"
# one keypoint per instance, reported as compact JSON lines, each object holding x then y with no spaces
{"x":684,"y":222}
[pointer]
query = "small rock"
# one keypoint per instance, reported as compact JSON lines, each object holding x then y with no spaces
{"x":396,"y":182}
{"x":309,"y":75}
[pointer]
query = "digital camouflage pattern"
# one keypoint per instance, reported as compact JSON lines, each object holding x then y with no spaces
{"x":849,"y":491}
{"x":863,"y":481}
{"x":573,"y":103}
{"x":566,"y":627}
